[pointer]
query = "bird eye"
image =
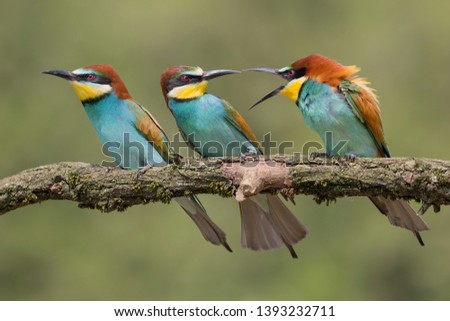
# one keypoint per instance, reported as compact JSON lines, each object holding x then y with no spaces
{"x":289,"y":74}
{"x":90,"y":77}
{"x":186,"y":78}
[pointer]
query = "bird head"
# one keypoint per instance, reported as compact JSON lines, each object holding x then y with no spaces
{"x":93,"y":82}
{"x":186,"y":82}
{"x":316,"y":67}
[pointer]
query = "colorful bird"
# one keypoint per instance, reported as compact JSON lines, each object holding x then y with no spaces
{"x":213,"y":128}
{"x":138,"y":139}
{"x":332,"y":98}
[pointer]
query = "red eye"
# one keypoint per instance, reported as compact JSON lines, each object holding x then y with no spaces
{"x":186,"y":78}
{"x":291,"y":72}
{"x":90,"y":77}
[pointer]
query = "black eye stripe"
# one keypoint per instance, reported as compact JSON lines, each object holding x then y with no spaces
{"x":193,"y":78}
{"x":102,"y":80}
{"x":288,"y":75}
{"x":300,"y":72}
{"x":178,"y":81}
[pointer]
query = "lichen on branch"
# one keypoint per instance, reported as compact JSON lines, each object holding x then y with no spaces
{"x":109,"y":189}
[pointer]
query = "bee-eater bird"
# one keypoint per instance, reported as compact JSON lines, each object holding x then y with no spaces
{"x":212,"y":127}
{"x":119,"y":119}
{"x":333,"y":98}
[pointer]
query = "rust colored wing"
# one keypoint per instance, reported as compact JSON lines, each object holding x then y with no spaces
{"x":364,"y":104}
{"x":238,"y":122}
{"x":150,"y":128}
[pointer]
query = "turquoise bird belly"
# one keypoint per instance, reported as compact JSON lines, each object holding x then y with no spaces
{"x":203,"y":124}
{"x":115,"y":126}
{"x":325,"y":111}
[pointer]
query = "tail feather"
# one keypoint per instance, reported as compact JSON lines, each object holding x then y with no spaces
{"x":257,"y":231}
{"x":399,"y":213}
{"x":291,"y":229}
{"x":210,"y":231}
{"x":268,"y":224}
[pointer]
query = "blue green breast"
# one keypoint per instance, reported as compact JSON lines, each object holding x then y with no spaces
{"x":325,"y":111}
{"x":115,"y":126}
{"x":203,"y":123}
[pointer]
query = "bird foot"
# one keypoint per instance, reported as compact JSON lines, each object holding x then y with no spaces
{"x":288,"y":198}
{"x":318,"y":155}
{"x":143,"y":170}
{"x":350,"y":157}
{"x":424,"y":208}
{"x":109,"y":169}
{"x":243,"y":156}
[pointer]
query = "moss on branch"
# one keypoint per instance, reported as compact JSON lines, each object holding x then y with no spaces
{"x":326,"y":179}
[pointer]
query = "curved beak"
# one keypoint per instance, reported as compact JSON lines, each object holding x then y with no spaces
{"x":273,"y":92}
{"x":267,"y":70}
{"x":62,"y":73}
{"x":211,"y":74}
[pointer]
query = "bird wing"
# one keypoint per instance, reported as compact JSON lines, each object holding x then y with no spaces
{"x":238,"y":122}
{"x":147,"y":125}
{"x":364,"y":105}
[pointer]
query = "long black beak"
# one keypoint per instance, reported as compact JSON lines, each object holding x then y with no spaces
{"x":271,"y":94}
{"x":62,"y":73}
{"x":211,"y":74}
{"x":268,"y":70}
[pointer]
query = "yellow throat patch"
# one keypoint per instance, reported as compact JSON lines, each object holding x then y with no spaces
{"x":89,"y":91}
{"x":292,"y":89}
{"x":189,"y":91}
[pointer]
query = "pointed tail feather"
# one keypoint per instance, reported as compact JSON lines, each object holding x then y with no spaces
{"x":210,"y":231}
{"x":291,"y":229}
{"x":399,"y":213}
{"x":268,"y":224}
{"x":257,"y":231}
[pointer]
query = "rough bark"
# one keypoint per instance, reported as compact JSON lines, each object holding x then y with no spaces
{"x":326,"y":179}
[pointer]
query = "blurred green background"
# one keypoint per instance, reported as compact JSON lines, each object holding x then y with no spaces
{"x":55,"y":251}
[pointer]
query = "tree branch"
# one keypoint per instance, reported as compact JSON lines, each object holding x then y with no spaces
{"x":105,"y":189}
